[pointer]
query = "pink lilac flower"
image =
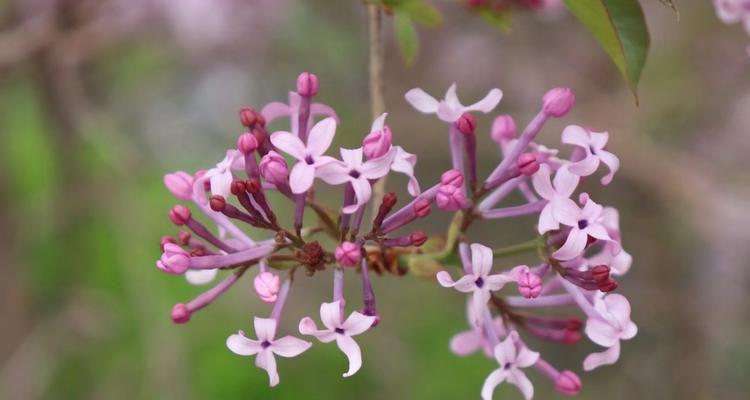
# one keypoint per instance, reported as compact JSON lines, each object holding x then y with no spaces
{"x":348,"y":254}
{"x":557,"y":192}
{"x":468,"y":342}
{"x":219,"y":177}
{"x":583,"y":222}
{"x":273,"y":111}
{"x":357,"y":172}
{"x":266,"y":346}
{"x":511,"y":355}
{"x":340,"y":330}
{"x":612,"y":253}
{"x":608,"y":328}
{"x":592,"y":144}
{"x":450,"y":108}
{"x":404,"y":162}
{"x":310,"y":157}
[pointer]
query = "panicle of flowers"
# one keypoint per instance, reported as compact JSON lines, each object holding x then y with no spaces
{"x":242,"y":220}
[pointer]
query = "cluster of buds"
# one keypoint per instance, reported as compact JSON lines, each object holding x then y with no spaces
{"x":578,"y":243}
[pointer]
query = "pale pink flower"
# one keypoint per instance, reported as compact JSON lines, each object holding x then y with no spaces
{"x":450,"y":108}
{"x":593,"y":144}
{"x":404,"y":163}
{"x":511,"y":355}
{"x":467,"y":342}
{"x":219,"y":177}
{"x":612,"y":325}
{"x":612,"y":255}
{"x":310,"y":156}
{"x":339,"y":330}
{"x":557,"y":192}
{"x":357,"y":172}
{"x":266,"y":346}
{"x":275,"y":110}
{"x":583,"y":223}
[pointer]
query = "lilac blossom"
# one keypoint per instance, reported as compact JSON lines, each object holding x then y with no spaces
{"x":276,"y":110}
{"x":608,"y":328}
{"x":511,"y":355}
{"x":592,"y":144}
{"x":557,"y":192}
{"x":450,"y":108}
{"x":220,"y":177}
{"x":468,"y":342}
{"x":583,"y":222}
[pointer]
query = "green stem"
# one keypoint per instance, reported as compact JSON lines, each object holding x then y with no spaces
{"x":520,"y":248}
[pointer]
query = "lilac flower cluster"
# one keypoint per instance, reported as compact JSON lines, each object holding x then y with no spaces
{"x":578,"y":243}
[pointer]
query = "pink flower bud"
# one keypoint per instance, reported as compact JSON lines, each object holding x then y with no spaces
{"x":174,"y":259}
{"x":452,"y":177}
{"x":571,"y":337}
{"x":164,"y":240}
{"x":247,"y":143}
{"x":250,"y":117}
{"x":267,"y":286}
{"x":528,"y":164}
{"x":503,"y":129}
{"x":348,"y":254}
{"x":417,"y":238}
{"x":450,"y":198}
{"x":529,"y":285}
{"x":307,"y":84}
{"x":422,"y":207}
{"x":558,"y":102}
{"x":179,"y":215}
{"x":377,"y":143}
{"x":466,"y":124}
{"x":568,"y":383}
{"x":180,"y":184}
{"x":180,"y":314}
{"x":274,"y":169}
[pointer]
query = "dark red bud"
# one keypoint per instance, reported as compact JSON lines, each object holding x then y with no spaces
{"x":422,"y":207}
{"x":165,"y":240}
{"x":184,"y":237}
{"x":418,"y":238}
{"x":198,"y":252}
{"x":238,"y":187}
{"x":252,"y":185}
{"x":600,"y":273}
{"x":390,"y":199}
{"x":248,"y":117}
{"x":466,"y":124}
{"x":217,"y":202}
{"x":608,"y":286}
{"x":180,"y":314}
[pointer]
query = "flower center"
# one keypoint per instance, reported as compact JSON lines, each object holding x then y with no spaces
{"x":309,"y":160}
{"x":582,"y":224}
{"x":264,"y":344}
{"x":479,"y":282}
{"x":354,"y":173}
{"x":507,"y":365}
{"x":592,"y":150}
{"x":339,"y":331}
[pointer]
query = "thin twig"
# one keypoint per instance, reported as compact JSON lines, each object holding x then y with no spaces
{"x":377,"y":97}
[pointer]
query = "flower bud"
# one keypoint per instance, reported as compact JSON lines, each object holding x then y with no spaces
{"x":422,"y":207}
{"x":252,"y":185}
{"x":608,"y":286}
{"x":529,"y":285}
{"x":571,"y":337}
{"x":417,"y":238}
{"x":527,"y":164}
{"x":558,"y":102}
{"x":377,"y":143}
{"x":180,"y":184}
{"x":348,"y":254}
{"x":503,"y":129}
{"x":450,"y":198}
{"x":274,"y":169}
{"x":452,"y":177}
{"x":600,"y":273}
{"x":249,"y":117}
{"x":307,"y":84}
{"x":217,"y":202}
{"x":568,"y":383}
{"x":267,"y":286}
{"x":184,"y":237}
{"x":247,"y":143}
{"x":179,"y":214}
{"x":466,"y":124}
{"x":180,"y":314}
{"x":174,"y":259}
{"x":237,"y":187}
{"x":164,"y":240}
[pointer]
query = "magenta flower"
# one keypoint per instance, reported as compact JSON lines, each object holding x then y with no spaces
{"x":511,"y":355}
{"x":608,"y":328}
{"x":450,"y":108}
{"x":339,"y":330}
{"x":593,"y":144}
{"x":266,"y":346}
{"x":584,"y":223}
{"x":310,"y":156}
{"x":348,"y":254}
{"x":358,"y":173}
{"x":557,"y":192}
{"x":275,"y":110}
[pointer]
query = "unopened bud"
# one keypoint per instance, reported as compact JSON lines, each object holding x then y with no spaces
{"x":527,"y":164}
{"x":376,"y":144}
{"x":247,"y":143}
{"x":422,"y":207}
{"x":217,"y":202}
{"x":180,"y":314}
{"x":348,"y":254}
{"x":558,"y":102}
{"x":267,"y":286}
{"x":452,"y":177}
{"x":307,"y":84}
{"x":179,"y":215}
{"x":568,"y":383}
{"x":466,"y":124}
{"x":503,"y":129}
{"x":600,"y":273}
{"x":417,"y":238}
{"x":529,"y":285}
{"x":250,"y":117}
{"x":274,"y":169}
{"x":180,"y":184}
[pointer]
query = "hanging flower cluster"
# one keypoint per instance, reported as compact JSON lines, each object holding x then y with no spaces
{"x":578,"y":242}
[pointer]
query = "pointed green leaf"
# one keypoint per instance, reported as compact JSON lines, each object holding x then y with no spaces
{"x":620,"y":28}
{"x":422,"y":13}
{"x":406,"y":37}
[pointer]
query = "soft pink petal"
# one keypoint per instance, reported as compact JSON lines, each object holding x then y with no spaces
{"x":488,"y":103}
{"x":612,"y":162}
{"x":422,"y":101}
{"x":379,"y":123}
{"x":479,"y":299}
{"x":597,"y":231}
{"x":566,"y":211}
{"x":565,"y":182}
{"x":334,"y":173}
{"x":321,"y":136}
{"x":362,"y":194}
{"x":523,"y":383}
{"x":265,"y":328}
{"x":620,"y":264}
{"x":221,"y":183}
{"x":330,"y":314}
{"x":601,"y":332}
{"x":275,"y":110}
{"x":404,"y":163}
{"x":618,"y":306}
{"x":353,"y":353}
{"x":505,"y":351}
{"x":357,"y":323}
{"x":542,"y":182}
{"x":447,"y":113}
{"x":591,"y":210}
{"x":497,"y":281}
{"x":378,"y":167}
{"x":576,"y":135}
{"x":481,"y":259}
{"x":599,"y":140}
{"x":451,"y":98}
{"x":352,"y":157}
{"x":241,"y":345}
{"x":289,"y":144}
{"x":289,"y":346}
{"x":629,"y":332}
{"x":200,"y":276}
{"x":322,"y":109}
{"x":573,"y":247}
{"x":526,"y":357}
{"x":301,"y":178}
{"x":464,"y":284}
{"x":495,"y":378}
{"x":546,"y":221}
{"x":607,"y":357}
{"x":585,"y":167}
{"x":467,"y":342}
{"x":308,"y":327}
{"x":266,"y":360}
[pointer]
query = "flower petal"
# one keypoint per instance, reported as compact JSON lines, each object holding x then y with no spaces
{"x":565,"y":182}
{"x":576,"y":135}
{"x":362,"y":194}
{"x":526,"y":357}
{"x":290,"y":144}
{"x":497,"y":281}
{"x":542,"y":182}
{"x":601,"y":332}
{"x":200,"y":276}
{"x":265,"y":328}
{"x":422,"y":101}
{"x":379,"y":123}
{"x":241,"y":345}
{"x":275,"y":110}
{"x":573,"y":247}
{"x":481,"y":260}
{"x":599,"y":140}
{"x":447,"y":113}
{"x":353,"y":353}
{"x":334,"y":173}
{"x":597,"y":231}
{"x":612,"y":162}
{"x":495,"y":378}
{"x":330,"y":314}
{"x":357,"y":323}
{"x":289,"y":346}
{"x":321,"y":136}
{"x":451,"y":98}
{"x":505,"y":351}
{"x":378,"y":167}
{"x":221,"y":183}
{"x":267,"y":361}
{"x":619,"y":307}
{"x":404,"y":163}
{"x":488,"y":103}
{"x":607,"y":357}
{"x":352,"y":157}
{"x":301,"y":178}
{"x":467,"y":342}
{"x":566,"y":211}
{"x":585,"y":167}
{"x":546,"y":221}
{"x":307,"y":327}
{"x":322,"y":109}
{"x":518,"y":378}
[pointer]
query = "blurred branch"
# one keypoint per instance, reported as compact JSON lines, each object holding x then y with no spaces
{"x":377,"y":97}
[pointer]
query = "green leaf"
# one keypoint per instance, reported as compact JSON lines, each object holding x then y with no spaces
{"x":406,"y":37}
{"x":620,"y":28}
{"x":500,"y":19}
{"x":422,"y":13}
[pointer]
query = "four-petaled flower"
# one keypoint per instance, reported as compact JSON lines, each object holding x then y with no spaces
{"x":612,"y":325}
{"x":219,"y":177}
{"x":593,"y":144}
{"x":356,"y":172}
{"x":556,"y":191}
{"x":310,"y":156}
{"x":339,"y":330}
{"x":450,"y":108}
{"x":266,"y":346}
{"x":583,"y":223}
{"x":511,"y":355}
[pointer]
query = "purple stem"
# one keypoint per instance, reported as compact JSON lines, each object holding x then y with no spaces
{"x":463,"y":251}
{"x":299,"y":211}
{"x":203,"y":232}
{"x":529,"y":133}
{"x":517,"y":211}
{"x":304,"y":117}
{"x":280,"y":300}
{"x":225,"y":260}
{"x":210,"y":295}
{"x":470,"y":144}
{"x":557,"y":300}
{"x":455,"y":143}
{"x":406,"y":213}
{"x":579,"y":298}
{"x":338,"y":284}
{"x":489,"y":327}
{"x":348,"y":200}
{"x":368,"y":295}
{"x":224,"y":222}
{"x":546,"y":369}
{"x":500,"y":193}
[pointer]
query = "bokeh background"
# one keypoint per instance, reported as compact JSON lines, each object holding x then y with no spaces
{"x":98,"y":99}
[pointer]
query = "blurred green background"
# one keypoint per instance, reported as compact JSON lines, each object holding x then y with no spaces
{"x":98,"y":99}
